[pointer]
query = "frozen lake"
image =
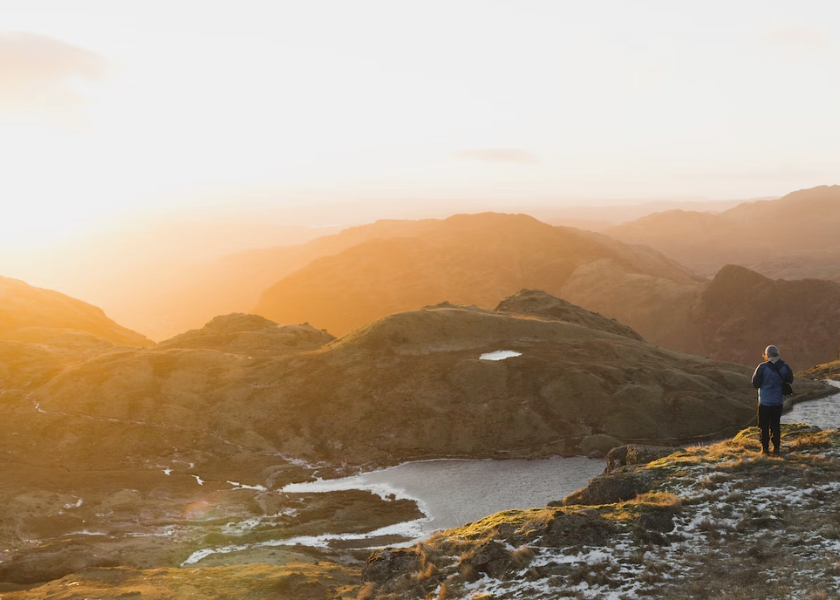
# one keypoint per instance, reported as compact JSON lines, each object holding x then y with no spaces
{"x":454,"y":492}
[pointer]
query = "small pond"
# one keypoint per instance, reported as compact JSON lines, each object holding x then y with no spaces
{"x":454,"y":492}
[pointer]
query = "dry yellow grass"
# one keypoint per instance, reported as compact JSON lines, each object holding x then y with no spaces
{"x":246,"y":582}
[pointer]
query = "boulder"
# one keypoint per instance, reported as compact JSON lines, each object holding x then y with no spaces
{"x":578,"y":528}
{"x":636,"y":454}
{"x":53,"y":561}
{"x":491,"y":558}
{"x":659,"y":521}
{"x":388,"y":564}
{"x":598,"y":445}
{"x":609,"y":489}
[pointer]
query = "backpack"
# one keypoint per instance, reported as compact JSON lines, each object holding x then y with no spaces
{"x":787,"y":390}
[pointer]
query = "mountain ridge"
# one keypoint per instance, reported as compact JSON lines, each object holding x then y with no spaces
{"x":466,"y":259}
{"x":752,"y":234}
{"x":32,"y":314}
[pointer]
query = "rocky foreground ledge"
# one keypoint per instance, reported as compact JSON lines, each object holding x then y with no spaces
{"x":719,"y":521}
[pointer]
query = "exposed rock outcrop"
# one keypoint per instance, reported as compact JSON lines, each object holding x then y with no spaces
{"x":538,"y":303}
{"x":250,"y":334}
{"x":635,"y":454}
{"x":611,"y":488}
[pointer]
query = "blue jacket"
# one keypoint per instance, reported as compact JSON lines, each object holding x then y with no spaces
{"x":769,"y":382}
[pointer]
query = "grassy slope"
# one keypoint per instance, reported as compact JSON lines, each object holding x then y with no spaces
{"x":299,"y":581}
{"x":830,"y":370}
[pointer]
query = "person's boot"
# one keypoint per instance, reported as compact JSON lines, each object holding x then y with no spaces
{"x":765,"y":450}
{"x":777,"y":451}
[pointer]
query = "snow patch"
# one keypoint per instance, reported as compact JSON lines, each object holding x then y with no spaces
{"x":499,"y":355}
{"x":410,"y":529}
{"x":242,"y":486}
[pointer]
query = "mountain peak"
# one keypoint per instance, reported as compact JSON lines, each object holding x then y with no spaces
{"x":540,"y":304}
{"x":239,"y":333}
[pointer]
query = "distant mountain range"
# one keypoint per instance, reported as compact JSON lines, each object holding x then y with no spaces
{"x":164,"y":274}
{"x":793,"y":237}
{"x":342,"y":281}
{"x":466,"y":259}
{"x":604,"y":216}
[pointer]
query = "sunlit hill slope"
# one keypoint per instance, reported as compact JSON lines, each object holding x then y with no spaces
{"x":469,"y":259}
{"x":475,"y":259}
{"x":30,"y":314}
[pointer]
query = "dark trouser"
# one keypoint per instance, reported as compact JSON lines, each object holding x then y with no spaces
{"x":769,"y":420}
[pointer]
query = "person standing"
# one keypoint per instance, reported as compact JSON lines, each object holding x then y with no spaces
{"x":768,"y":379}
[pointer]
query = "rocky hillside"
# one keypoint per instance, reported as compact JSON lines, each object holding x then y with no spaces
{"x":93,"y":503}
{"x":792,"y":237}
{"x":732,"y":317}
{"x":739,"y":312}
{"x":717,"y":521}
{"x":409,"y":386}
{"x":34,"y":315}
{"x":468,"y":259}
{"x":699,"y":522}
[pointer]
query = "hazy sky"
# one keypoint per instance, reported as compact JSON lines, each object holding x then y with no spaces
{"x":107,"y":107}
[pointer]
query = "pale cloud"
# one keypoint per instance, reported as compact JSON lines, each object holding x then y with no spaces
{"x":42,"y":76}
{"x":496,"y":155}
{"x":798,"y":37}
